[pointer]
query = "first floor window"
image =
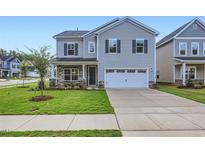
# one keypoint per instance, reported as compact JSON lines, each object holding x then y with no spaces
{"x":190,"y":73}
{"x":140,"y":45}
{"x":71,"y":74}
{"x":182,"y":48}
{"x":195,"y":48}
{"x":112,"y":45}
{"x":71,"y":48}
{"x":91,"y":47}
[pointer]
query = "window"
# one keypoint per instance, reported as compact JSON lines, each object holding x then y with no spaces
{"x":120,"y":71}
{"x":112,"y":45}
{"x":13,"y":66}
{"x":182,"y":48}
{"x":140,"y":46}
{"x":194,"y":48}
{"x":71,"y":49}
{"x":190,"y":72}
{"x":110,"y":71}
{"x":131,"y":71}
{"x":141,"y":71}
{"x":91,"y":47}
{"x":71,"y":74}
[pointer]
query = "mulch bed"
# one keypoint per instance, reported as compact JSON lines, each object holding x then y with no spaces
{"x":41,"y":98}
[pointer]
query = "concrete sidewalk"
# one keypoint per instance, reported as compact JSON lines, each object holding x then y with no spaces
{"x":57,"y":122}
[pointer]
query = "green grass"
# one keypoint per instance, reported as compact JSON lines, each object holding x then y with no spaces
{"x":15,"y":101}
{"x":81,"y":133}
{"x":193,"y":94}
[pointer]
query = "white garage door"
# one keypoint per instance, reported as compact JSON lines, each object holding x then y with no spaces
{"x":126,"y":78}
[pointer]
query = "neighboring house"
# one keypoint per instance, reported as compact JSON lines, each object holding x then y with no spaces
{"x":118,"y":54}
{"x":181,"y":54}
{"x":9,"y":66}
{"x":32,"y":72}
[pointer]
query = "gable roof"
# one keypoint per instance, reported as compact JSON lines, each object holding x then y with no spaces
{"x":71,"y":33}
{"x":3,"y":58}
{"x":110,"y":24}
{"x":178,"y":31}
{"x":117,"y":21}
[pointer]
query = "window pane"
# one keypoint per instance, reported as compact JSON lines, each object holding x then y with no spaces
{"x":141,"y":71}
{"x":71,"y":52}
{"x":70,"y":46}
{"x":140,"y":50}
{"x":113,"y":46}
{"x":131,"y":71}
{"x":120,"y":71}
{"x":92,"y":47}
{"x":110,"y":71}
{"x":140,"y":42}
{"x":67,"y":74}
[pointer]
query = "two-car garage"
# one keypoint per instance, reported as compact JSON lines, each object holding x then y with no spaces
{"x":126,"y":78}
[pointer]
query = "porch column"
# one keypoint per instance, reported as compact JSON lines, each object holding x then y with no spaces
{"x":83,"y":71}
{"x":184,"y":73}
{"x":52,"y":71}
{"x":56,"y":74}
{"x":204,"y":73}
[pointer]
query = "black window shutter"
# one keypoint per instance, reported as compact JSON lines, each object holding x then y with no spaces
{"x":106,"y":46}
{"x":118,"y":46}
{"x":65,"y":49}
{"x":133,"y":46}
{"x":76,"y":49}
{"x":145,"y":46}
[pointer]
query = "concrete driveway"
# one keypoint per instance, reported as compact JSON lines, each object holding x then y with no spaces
{"x":148,"y":112}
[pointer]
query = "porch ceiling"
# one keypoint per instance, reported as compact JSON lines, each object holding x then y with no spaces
{"x":75,"y":61}
{"x":191,"y":60}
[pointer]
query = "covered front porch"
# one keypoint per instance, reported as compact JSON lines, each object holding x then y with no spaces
{"x":189,"y":69}
{"x":82,"y":72}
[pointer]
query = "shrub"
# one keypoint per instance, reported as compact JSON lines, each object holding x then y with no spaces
{"x":101,"y":84}
{"x":189,"y":83}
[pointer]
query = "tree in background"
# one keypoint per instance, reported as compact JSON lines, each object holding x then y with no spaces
{"x":24,"y":69}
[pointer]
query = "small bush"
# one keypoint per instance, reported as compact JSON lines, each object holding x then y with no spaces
{"x":189,"y":83}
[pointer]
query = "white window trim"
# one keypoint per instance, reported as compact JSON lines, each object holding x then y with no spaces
{"x":74,"y":48}
{"x":204,"y":48}
{"x":180,"y":48}
{"x":111,"y":39}
{"x":198,"y":48}
{"x":140,"y":39}
{"x":188,"y":67}
{"x":91,"y":42}
{"x":70,"y":74}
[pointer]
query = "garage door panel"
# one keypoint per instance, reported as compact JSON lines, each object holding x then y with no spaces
{"x":128,"y":79}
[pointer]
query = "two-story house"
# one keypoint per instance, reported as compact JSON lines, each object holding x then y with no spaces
{"x":119,"y":54}
{"x":181,"y":54}
{"x":9,"y":66}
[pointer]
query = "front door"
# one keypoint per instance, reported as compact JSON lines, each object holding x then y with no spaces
{"x":91,"y":76}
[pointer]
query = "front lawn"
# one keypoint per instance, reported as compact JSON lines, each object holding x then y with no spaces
{"x":193,"y":94}
{"x":81,"y":133}
{"x":17,"y":101}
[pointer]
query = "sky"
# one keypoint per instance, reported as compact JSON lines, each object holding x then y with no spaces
{"x":33,"y":32}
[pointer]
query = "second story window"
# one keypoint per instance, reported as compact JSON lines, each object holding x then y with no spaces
{"x":70,"y":49}
{"x":91,"y":47}
{"x":182,"y":48}
{"x":13,"y":66}
{"x":112,"y":45}
{"x":140,"y":46}
{"x":195,"y":48}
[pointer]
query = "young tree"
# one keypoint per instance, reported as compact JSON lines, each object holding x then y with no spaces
{"x":40,"y":60}
{"x":23,"y":69}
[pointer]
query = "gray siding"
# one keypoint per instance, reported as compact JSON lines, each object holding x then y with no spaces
{"x":60,"y":47}
{"x":188,"y":41}
{"x":190,"y":32}
{"x":165,"y":63}
{"x":91,"y":38}
{"x":126,"y":32}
